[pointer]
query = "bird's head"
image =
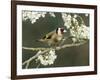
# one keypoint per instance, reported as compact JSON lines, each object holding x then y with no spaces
{"x":60,"y":31}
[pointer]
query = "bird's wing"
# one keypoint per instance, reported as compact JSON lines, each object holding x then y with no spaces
{"x":49,"y":35}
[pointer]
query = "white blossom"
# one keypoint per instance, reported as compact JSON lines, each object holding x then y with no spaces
{"x":32,"y":16}
{"x":47,"y":58}
{"x":84,"y":32}
{"x":67,"y":20}
{"x":86,"y":15}
{"x":81,"y":32}
{"x":75,"y":16}
{"x":52,"y":14}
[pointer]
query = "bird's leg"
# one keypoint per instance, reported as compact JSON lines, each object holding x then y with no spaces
{"x":62,"y":41}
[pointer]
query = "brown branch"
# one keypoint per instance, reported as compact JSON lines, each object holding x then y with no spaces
{"x":70,"y":45}
{"x":35,"y":49}
{"x":44,"y":50}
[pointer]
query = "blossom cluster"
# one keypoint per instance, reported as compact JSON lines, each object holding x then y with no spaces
{"x":78,"y":31}
{"x":47,"y":58}
{"x":67,"y":20}
{"x":34,"y":15}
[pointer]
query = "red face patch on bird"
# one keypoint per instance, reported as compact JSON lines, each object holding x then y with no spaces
{"x":60,"y":31}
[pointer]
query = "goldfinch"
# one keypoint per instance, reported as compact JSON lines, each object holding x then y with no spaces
{"x":53,"y":38}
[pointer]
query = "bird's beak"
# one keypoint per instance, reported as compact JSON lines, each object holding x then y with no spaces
{"x":64,"y":31}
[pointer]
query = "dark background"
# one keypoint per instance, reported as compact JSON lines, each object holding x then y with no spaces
{"x":73,"y":56}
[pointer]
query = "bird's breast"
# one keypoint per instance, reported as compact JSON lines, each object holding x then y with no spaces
{"x":59,"y":38}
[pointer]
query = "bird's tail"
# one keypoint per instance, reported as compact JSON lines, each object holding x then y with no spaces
{"x":40,"y":40}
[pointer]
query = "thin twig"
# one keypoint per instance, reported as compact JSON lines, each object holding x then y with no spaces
{"x":33,"y":57}
{"x":35,"y":49}
{"x":38,"y":65}
{"x":70,"y":45}
{"x":27,"y":65}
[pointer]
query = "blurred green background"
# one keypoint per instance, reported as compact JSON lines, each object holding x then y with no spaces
{"x":73,"y":56}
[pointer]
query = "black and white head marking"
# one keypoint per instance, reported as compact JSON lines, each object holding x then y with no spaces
{"x":60,"y":31}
